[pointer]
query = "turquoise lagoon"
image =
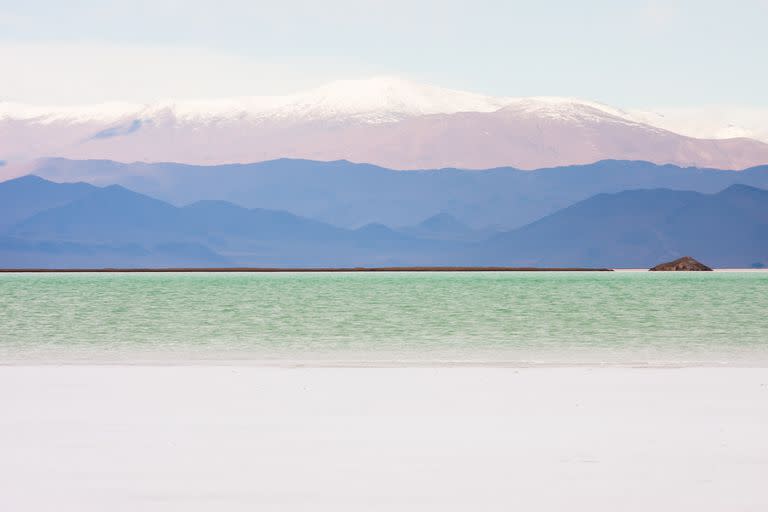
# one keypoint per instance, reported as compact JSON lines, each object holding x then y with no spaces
{"x":399,"y":318}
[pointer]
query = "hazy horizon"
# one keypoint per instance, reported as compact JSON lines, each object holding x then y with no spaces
{"x":642,"y":54}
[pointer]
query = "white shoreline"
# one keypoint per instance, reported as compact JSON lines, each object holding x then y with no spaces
{"x":416,"y":364}
{"x":235,"y":437}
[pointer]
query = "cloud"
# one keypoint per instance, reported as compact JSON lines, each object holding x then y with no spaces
{"x":10,"y":20}
{"x":88,"y":73}
{"x":660,"y":14}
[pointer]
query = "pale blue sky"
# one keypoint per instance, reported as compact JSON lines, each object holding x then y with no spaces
{"x":627,"y":53}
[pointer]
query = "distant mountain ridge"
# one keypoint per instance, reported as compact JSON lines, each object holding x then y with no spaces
{"x":25,"y":196}
{"x":636,"y":228}
{"x":351,"y":195}
{"x":384,"y":121}
{"x":113,"y":227}
{"x":443,"y":226}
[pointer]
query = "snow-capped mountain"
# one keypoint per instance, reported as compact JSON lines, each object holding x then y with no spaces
{"x":386,"y":120}
{"x":716,"y":122}
{"x":374,"y":100}
{"x":379,"y":100}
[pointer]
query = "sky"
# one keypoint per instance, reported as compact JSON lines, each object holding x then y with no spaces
{"x":628,"y":53}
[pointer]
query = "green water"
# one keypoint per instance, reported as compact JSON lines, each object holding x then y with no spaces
{"x":492,"y":317}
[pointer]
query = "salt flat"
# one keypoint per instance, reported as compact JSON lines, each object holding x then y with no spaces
{"x":95,"y":438}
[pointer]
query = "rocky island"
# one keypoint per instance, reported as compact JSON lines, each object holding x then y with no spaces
{"x":684,"y":264}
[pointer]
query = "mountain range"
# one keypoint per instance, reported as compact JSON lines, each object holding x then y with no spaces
{"x":384,"y":121}
{"x":634,"y":227}
{"x":114,"y":226}
{"x":83,"y":225}
{"x":353,"y":195}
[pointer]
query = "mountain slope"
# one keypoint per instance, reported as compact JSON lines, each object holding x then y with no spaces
{"x":639,"y":228}
{"x":352,"y":195}
{"x":23,"y":197}
{"x":527,"y":136}
{"x":444,"y":226}
{"x":385,"y":121}
{"x":20,"y":253}
{"x":225,"y":218}
{"x":108,"y":215}
{"x":114,"y":226}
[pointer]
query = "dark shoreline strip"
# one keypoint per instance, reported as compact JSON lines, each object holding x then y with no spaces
{"x":350,"y":269}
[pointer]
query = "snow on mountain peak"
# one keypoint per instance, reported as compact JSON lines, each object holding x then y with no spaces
{"x":101,"y":112}
{"x":385,"y":99}
{"x":373,"y":100}
{"x":566,"y":109}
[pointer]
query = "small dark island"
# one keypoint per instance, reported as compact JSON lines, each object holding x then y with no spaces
{"x":684,"y":264}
